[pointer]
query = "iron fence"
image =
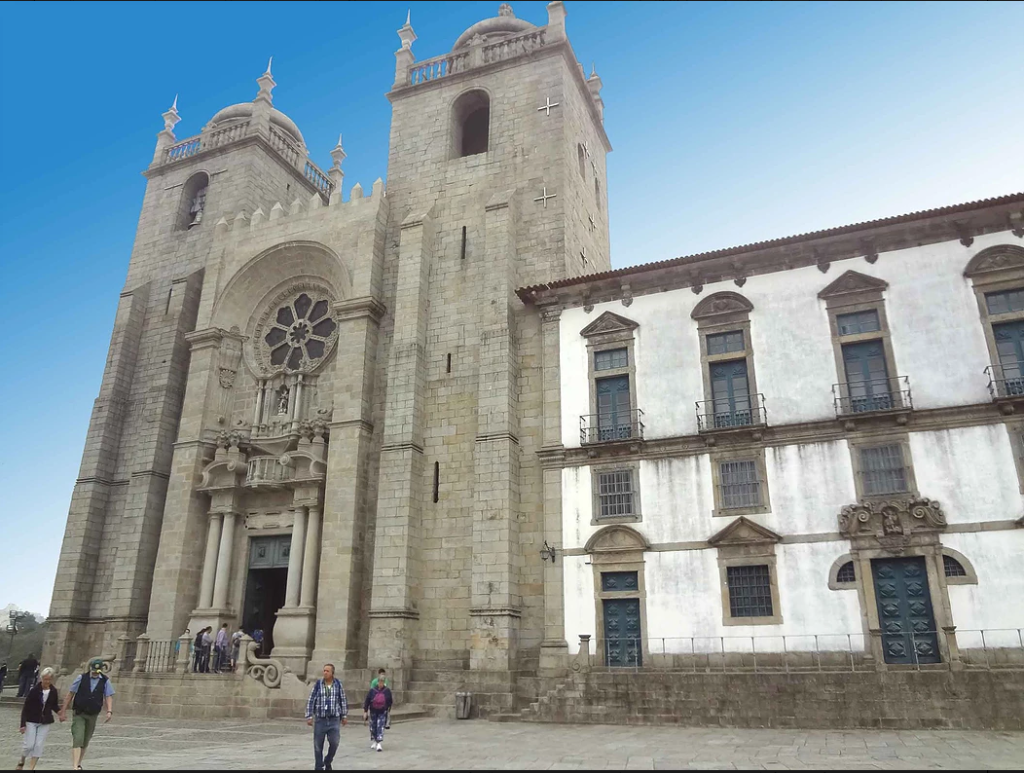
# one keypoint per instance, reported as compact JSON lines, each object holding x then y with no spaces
{"x":1006,"y":380}
{"x":746,"y":411}
{"x":609,"y":428}
{"x":986,"y":649}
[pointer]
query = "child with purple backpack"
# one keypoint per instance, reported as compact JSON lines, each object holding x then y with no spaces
{"x":376,"y":708}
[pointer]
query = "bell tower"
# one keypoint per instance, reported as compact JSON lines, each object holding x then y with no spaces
{"x":496,"y":179}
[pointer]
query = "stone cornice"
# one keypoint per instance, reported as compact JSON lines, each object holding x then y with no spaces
{"x":357,"y":308}
{"x":930,"y":420}
{"x":210,"y":336}
{"x":820,"y":248}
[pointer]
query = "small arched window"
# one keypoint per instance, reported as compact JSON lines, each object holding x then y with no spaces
{"x":846,"y":573}
{"x":952,"y":567}
{"x":471,"y":120}
{"x":581,"y":159}
{"x":193,"y":201}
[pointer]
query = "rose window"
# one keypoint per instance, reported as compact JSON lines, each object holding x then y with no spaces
{"x":300,"y":333}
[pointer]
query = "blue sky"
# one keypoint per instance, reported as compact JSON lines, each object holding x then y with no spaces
{"x":731,"y":122}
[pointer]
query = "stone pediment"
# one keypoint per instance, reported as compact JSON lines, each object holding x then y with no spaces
{"x":998,"y":258}
{"x":721,"y":304}
{"x":853,"y":282}
{"x":609,"y":323}
{"x":616,"y":539}
{"x":891,"y":518}
{"x":743,"y":531}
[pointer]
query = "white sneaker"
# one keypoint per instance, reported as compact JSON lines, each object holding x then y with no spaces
{"x":373,"y":745}
{"x":378,"y":748}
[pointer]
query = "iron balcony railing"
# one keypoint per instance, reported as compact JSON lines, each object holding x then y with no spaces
{"x":874,"y":395}
{"x":725,"y":414}
{"x":609,"y":428}
{"x":1006,"y":380}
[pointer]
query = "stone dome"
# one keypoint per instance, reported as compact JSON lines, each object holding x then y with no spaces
{"x":504,"y":25}
{"x":244,"y":110}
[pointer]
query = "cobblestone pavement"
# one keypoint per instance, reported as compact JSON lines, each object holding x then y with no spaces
{"x":142,"y":743}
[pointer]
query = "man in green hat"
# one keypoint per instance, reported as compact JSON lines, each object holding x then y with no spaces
{"x":90,"y":692}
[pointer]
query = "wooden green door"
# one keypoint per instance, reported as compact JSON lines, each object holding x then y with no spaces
{"x":905,"y":612}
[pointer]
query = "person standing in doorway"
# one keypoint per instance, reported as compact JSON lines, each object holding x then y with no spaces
{"x":221,"y":648}
{"x":375,"y":708}
{"x":257,"y":636}
{"x":27,"y":675}
{"x":36,"y":718}
{"x":89,"y":691}
{"x":326,"y":712}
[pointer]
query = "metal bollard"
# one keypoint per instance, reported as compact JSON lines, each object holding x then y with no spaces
{"x":463,"y":704}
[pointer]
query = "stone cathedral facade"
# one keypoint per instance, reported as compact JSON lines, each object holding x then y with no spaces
{"x":320,"y":417}
{"x":428,"y":427}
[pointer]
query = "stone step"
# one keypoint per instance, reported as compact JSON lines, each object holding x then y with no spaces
{"x":408,"y":713}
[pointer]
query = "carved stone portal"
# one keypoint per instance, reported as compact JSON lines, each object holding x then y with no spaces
{"x":892,"y":524}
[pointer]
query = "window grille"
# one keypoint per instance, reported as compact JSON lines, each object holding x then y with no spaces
{"x":858,"y":322}
{"x":750,"y":591}
{"x":882,"y":470}
{"x":615,"y":493}
{"x":613,"y":358}
{"x":723,"y":343}
{"x":846,"y":573}
{"x":739,"y":483}
{"x":952,"y":567}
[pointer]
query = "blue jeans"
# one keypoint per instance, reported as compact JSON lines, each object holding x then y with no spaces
{"x":329,"y":728}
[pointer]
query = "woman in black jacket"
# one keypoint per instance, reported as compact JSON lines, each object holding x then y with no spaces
{"x":36,"y":717}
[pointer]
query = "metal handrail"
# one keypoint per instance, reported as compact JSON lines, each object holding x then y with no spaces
{"x":1002,"y":386}
{"x":610,"y":428}
{"x":983,"y":649}
{"x":875,"y":395}
{"x":720,"y":414}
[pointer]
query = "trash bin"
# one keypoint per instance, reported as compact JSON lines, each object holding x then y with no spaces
{"x":463,"y":704}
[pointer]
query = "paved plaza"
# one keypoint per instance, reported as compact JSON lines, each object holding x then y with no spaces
{"x":143,"y":743}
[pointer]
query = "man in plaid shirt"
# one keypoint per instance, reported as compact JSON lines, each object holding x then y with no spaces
{"x":326,"y":712}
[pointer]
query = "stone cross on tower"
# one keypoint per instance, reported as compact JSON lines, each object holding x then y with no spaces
{"x":547,"y":107}
{"x":545,"y":196}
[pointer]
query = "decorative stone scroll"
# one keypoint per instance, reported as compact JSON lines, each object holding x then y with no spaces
{"x":265,"y":670}
{"x":892,"y":524}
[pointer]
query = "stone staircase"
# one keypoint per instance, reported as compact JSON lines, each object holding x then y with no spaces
{"x":437,"y":677}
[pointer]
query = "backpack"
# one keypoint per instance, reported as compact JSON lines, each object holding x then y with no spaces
{"x":379,"y":701}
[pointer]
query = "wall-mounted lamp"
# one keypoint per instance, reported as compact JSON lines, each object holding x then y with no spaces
{"x":547,"y":552}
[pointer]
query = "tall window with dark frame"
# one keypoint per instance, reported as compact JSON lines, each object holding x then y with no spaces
{"x":615,"y":493}
{"x":883,"y":470}
{"x":1009,"y":338}
{"x":614,"y":420}
{"x":739,"y":483}
{"x":750,"y":591}
{"x":867,"y":375}
{"x":730,"y":384}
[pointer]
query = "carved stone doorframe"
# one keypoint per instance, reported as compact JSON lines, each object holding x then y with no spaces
{"x":618,"y":549}
{"x":892,"y":528}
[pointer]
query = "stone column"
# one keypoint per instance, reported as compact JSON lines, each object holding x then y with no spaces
{"x":342,"y":606}
{"x":311,"y":558}
{"x":210,"y":562}
{"x":495,"y":603}
{"x":291,"y":594}
{"x":223,"y":576}
{"x":396,"y":564}
{"x":554,"y":648}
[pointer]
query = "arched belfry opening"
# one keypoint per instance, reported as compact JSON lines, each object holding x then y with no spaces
{"x":193,"y":201}
{"x":471,"y":118}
